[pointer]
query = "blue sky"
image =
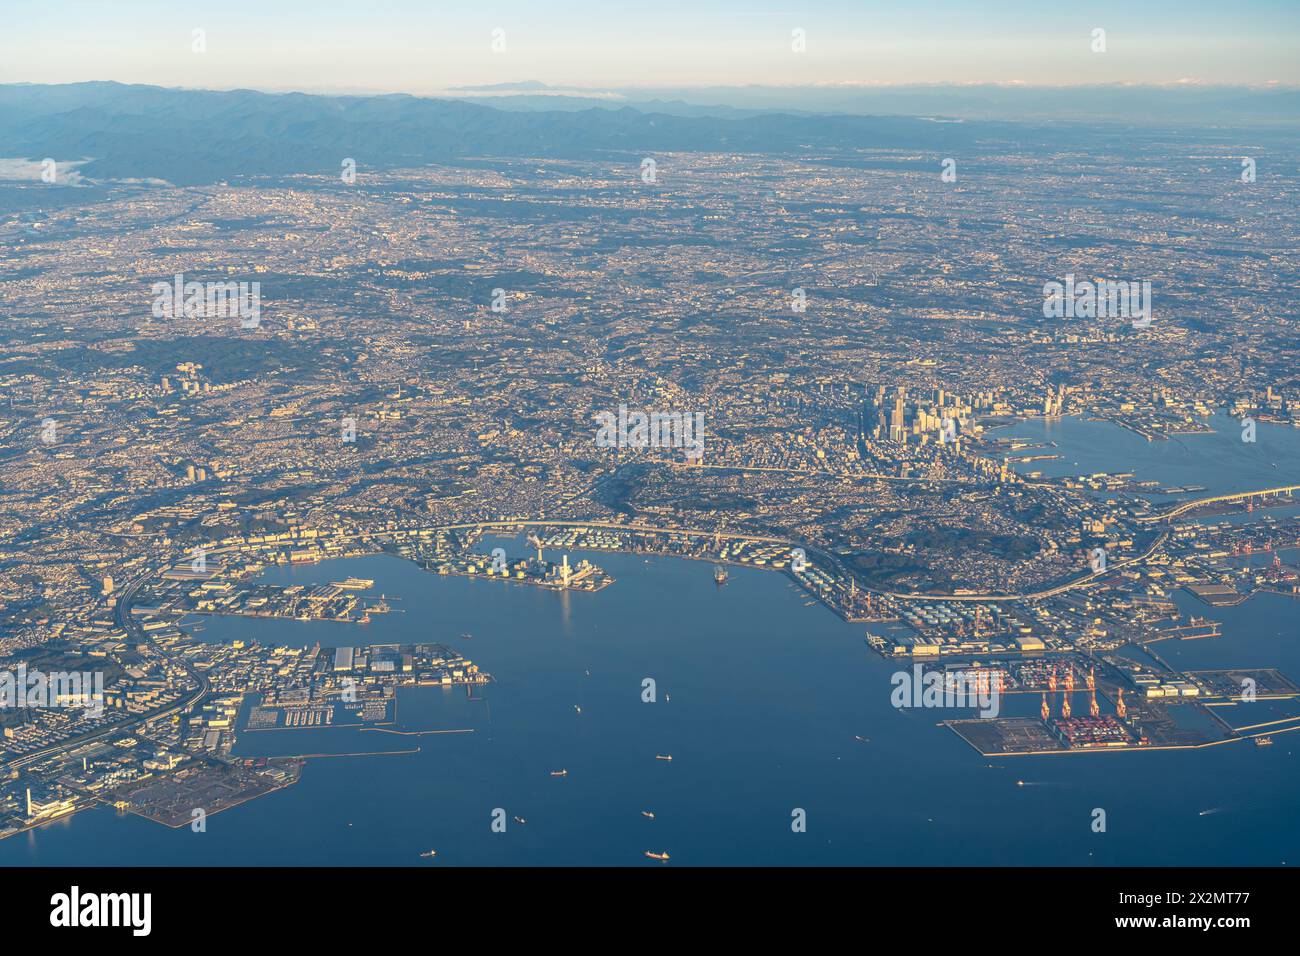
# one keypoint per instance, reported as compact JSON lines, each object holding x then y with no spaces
{"x":427,"y":46}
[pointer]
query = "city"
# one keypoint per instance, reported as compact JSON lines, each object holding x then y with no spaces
{"x":648,"y":474}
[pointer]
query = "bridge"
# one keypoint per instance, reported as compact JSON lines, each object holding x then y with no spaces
{"x":1186,"y":506}
{"x":1079,"y":582}
{"x":827,"y":557}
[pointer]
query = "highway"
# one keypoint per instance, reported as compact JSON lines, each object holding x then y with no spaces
{"x":122,"y":616}
{"x":834,"y":560}
{"x":124,"y":620}
{"x":1187,"y":506}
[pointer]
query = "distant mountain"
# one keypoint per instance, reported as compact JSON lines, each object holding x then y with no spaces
{"x":198,"y":136}
{"x":1103,"y":103}
{"x":569,"y":101}
{"x":522,"y":85}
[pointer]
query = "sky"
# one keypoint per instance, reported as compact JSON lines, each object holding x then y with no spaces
{"x":428,"y":46}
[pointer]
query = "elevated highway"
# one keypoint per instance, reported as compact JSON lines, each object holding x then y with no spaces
{"x":1186,"y":506}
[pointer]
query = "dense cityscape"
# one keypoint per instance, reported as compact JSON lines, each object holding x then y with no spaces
{"x":686,"y":440}
{"x":434,"y":348}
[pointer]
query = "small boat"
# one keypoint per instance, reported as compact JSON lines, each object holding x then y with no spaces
{"x":559,"y":773}
{"x":662,"y":857}
{"x":1263,"y":741}
{"x":466,"y":636}
{"x":520,"y":820}
{"x":647,"y":814}
{"x":663,"y":756}
{"x":431,"y":853}
{"x":865,"y":740}
{"x":577,"y":708}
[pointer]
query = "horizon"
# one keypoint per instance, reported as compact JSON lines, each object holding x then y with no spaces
{"x":1149,"y":105}
{"x":747,"y":436}
{"x":527,"y":86}
{"x":402,"y":46}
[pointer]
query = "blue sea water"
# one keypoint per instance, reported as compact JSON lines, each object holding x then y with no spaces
{"x":760,"y":698}
{"x":1218,"y":460}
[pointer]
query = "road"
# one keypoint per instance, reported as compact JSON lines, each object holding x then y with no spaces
{"x":122,"y":616}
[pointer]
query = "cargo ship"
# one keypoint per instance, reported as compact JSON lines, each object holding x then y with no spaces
{"x":663,"y":857}
{"x":354,"y":584}
{"x":1263,"y":741}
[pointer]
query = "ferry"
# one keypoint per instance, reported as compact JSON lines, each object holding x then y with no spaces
{"x":559,"y":773}
{"x":647,"y":814}
{"x":663,"y":857}
{"x":719,"y":574}
{"x":663,"y":756}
